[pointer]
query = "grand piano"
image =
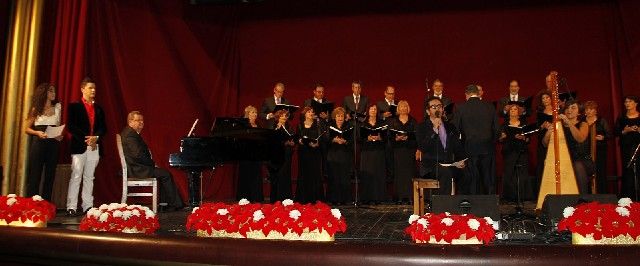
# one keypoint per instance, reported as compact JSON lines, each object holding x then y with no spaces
{"x":231,"y":140}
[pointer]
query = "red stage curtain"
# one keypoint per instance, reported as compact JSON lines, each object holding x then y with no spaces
{"x":177,"y":62}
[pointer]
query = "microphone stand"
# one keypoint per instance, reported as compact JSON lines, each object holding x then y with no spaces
{"x":356,"y":167}
{"x":633,"y":162}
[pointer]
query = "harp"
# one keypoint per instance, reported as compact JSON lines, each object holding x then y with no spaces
{"x":558,"y":176}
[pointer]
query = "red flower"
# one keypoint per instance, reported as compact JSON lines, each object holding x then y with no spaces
{"x":448,"y":227}
{"x":117,"y":217}
{"x":14,"y":208}
{"x":603,"y":220}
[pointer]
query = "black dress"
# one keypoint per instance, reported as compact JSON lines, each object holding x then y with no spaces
{"x":583,"y":165}
{"x":601,"y":128}
{"x":515,"y":155}
{"x":372,"y":166}
{"x":404,"y":156}
{"x":628,"y":144}
{"x":280,"y":172}
{"x":250,"y":181}
{"x":309,"y":187}
{"x":339,"y":164}
{"x":541,"y":150}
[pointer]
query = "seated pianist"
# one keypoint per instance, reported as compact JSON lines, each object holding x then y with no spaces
{"x":140,"y":164}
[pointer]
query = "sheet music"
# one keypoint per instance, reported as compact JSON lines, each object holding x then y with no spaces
{"x":455,"y":164}
{"x":54,"y":132}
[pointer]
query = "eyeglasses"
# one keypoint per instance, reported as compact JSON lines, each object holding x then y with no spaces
{"x":437,"y":106}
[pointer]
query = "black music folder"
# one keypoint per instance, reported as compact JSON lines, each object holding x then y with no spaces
{"x":396,"y":132}
{"x":523,"y":130}
{"x":345,"y":133}
{"x":366,"y":131}
{"x":289,"y":107}
{"x":393,"y":109}
{"x":284,"y":135}
{"x":325,"y":107}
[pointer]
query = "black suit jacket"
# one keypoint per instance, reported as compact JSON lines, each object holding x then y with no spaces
{"x":79,"y":127}
{"x":431,"y":147}
{"x":505,"y":100}
{"x":350,"y":106}
{"x":383,"y":107}
{"x":478,"y":123}
{"x":136,"y":154}
{"x":268,"y":105}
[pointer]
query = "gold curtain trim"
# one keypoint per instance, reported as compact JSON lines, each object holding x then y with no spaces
{"x":18,"y":85}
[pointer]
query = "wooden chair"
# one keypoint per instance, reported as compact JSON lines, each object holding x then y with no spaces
{"x":136,"y":182}
{"x":419,"y":184}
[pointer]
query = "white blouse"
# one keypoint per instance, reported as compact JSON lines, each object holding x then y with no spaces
{"x":43,"y":120}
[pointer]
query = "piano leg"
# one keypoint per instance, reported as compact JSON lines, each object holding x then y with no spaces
{"x":195,"y":195}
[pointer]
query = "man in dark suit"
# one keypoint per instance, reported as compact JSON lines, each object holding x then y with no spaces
{"x":514,"y":96}
{"x":86,"y":123}
{"x":269,"y":104}
{"x":439,"y":143}
{"x":385,"y":104}
{"x":140,"y":164}
{"x":477,"y":121}
{"x":355,"y":102}
{"x":318,"y":96}
{"x":438,"y":92}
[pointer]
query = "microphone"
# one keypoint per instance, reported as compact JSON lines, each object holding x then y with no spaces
{"x":426,"y":82}
{"x":438,"y":114}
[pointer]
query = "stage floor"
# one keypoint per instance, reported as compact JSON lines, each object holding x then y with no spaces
{"x":383,"y":223}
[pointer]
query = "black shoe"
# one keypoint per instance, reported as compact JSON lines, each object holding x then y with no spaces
{"x":71,"y":213}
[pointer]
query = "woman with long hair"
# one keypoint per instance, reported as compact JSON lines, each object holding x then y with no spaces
{"x":403,"y":142}
{"x":43,"y":152}
{"x":249,"y":178}
{"x":628,"y":128}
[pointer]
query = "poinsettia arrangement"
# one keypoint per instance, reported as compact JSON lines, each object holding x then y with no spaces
{"x":603,"y":220}
{"x":447,"y":227}
{"x":280,"y":217}
{"x":120,"y":217}
{"x":35,"y":209}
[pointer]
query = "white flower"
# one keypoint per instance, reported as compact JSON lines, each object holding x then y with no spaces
{"x":489,"y":220}
{"x":473,"y":224}
{"x":222,"y":212}
{"x":104,"y":207}
{"x":448,"y":221}
{"x":294,"y":214}
{"x":11,"y":201}
{"x":287,"y":202}
{"x":126,"y":215}
{"x":117,"y":213}
{"x":131,"y":207}
{"x":115,"y":205}
{"x":243,"y":202}
{"x":258,"y":215}
{"x":624,"y":202}
{"x":149,"y":214}
{"x":104,"y":217}
{"x":493,"y":223}
{"x":36,"y":198}
{"x":568,"y":211}
{"x":135,"y":212}
{"x":11,"y":196}
{"x":423,"y":222}
{"x":195,"y":209}
{"x":336,"y":213}
{"x":622,"y":211}
{"x":94,"y":212}
{"x":447,"y":213}
{"x":413,"y":218}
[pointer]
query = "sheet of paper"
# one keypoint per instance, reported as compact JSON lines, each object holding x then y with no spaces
{"x":54,"y":132}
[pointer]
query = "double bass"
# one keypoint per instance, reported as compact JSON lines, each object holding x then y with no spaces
{"x":558,"y":176}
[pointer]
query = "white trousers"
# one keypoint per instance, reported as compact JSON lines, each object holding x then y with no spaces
{"x":83,"y":167}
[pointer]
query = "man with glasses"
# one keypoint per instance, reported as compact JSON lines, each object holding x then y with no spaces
{"x":384,"y":107}
{"x":439,"y":148}
{"x":269,"y":104}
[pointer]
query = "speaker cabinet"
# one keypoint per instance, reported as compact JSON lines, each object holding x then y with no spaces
{"x":478,"y":205}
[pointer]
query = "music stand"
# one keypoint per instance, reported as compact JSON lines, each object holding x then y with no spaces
{"x":633,"y":162}
{"x":356,"y":129}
